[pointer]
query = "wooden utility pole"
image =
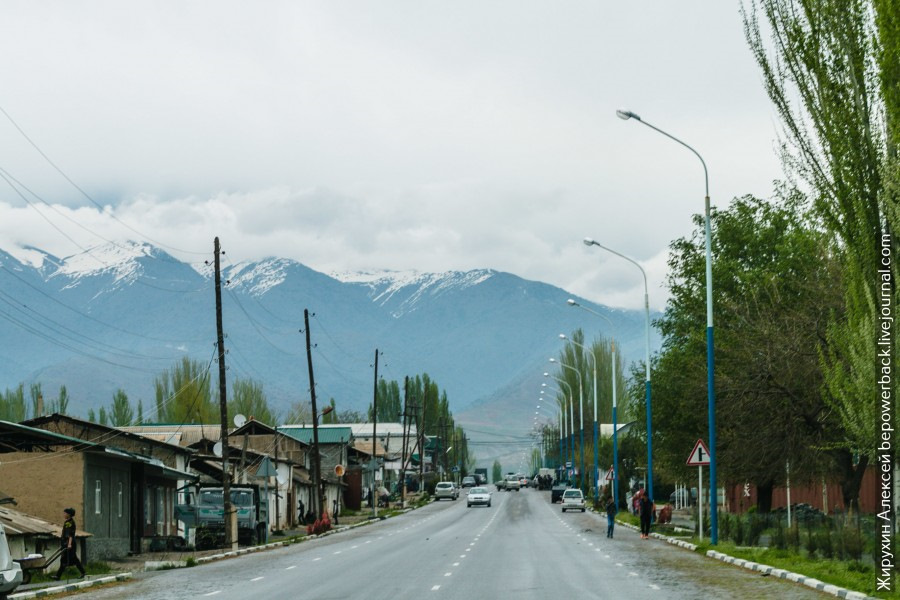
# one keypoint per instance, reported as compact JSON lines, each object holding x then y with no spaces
{"x":403,"y":449}
{"x":319,"y":501}
{"x":229,"y":516}
{"x":375,"y":436}
{"x":422,"y":445}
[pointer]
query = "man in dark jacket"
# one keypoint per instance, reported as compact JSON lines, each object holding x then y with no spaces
{"x":645,"y":508}
{"x":67,"y":540}
{"x":610,"y":516}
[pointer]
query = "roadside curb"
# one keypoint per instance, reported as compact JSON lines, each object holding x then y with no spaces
{"x":69,"y":587}
{"x":763,"y":569}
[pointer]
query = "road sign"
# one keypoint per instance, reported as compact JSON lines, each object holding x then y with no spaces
{"x":699,"y":455}
{"x":568,"y":464}
{"x":610,"y":475}
{"x":266,"y":469}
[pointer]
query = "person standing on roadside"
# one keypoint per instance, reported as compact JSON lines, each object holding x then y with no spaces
{"x":645,"y":508}
{"x":67,"y":541}
{"x":610,"y":516}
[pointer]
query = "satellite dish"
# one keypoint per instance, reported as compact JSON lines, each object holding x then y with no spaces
{"x":239,"y":420}
{"x":217,"y":449}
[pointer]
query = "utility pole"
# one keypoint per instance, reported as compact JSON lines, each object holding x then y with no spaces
{"x":375,"y":434}
{"x":319,"y":502}
{"x":422,"y":446}
{"x":403,"y":449}
{"x":229,"y":516}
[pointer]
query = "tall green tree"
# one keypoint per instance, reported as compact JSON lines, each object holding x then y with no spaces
{"x":496,"y":472}
{"x":35,"y":390}
{"x":61,"y":405}
{"x":249,"y":399}
{"x":775,"y":276}
{"x":120,"y":412}
{"x":12,"y":404}
{"x":830,"y":68}
{"x":184,"y":395}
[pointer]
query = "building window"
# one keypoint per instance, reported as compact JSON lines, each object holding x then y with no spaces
{"x":121,"y":498}
{"x":98,"y":495}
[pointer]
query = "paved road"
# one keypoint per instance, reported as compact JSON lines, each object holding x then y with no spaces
{"x":521,"y":547}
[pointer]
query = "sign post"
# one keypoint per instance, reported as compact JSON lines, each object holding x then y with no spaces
{"x":699,"y":456}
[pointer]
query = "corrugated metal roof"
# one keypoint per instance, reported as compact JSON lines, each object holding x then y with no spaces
{"x":329,"y":435}
{"x":19,"y":523}
{"x":182,"y":435}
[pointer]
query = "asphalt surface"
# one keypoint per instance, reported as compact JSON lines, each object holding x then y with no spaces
{"x":522,"y":547}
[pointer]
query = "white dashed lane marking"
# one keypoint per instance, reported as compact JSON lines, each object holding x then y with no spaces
{"x":291,"y":567}
{"x":435,"y":588}
{"x":257,"y":578}
{"x":653,"y":586}
{"x":213,"y":593}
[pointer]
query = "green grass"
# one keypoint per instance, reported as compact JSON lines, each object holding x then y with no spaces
{"x":852,"y":575}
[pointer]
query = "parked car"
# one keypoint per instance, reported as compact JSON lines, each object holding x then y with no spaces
{"x":573,"y":499}
{"x":10,"y":572}
{"x":468,"y":481}
{"x":446,"y":489}
{"x":478,"y":496}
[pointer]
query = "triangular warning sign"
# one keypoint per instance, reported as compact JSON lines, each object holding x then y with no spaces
{"x":699,"y":455}
{"x":610,"y":475}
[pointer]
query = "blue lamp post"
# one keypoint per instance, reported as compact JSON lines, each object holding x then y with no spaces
{"x":580,"y":416}
{"x":571,"y":414}
{"x":587,"y":352}
{"x":571,"y":302}
{"x":590,"y":242}
{"x":710,"y":348}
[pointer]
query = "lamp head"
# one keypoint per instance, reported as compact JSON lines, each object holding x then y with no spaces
{"x":546,"y":374}
{"x":562,"y":336}
{"x":626,"y":114}
{"x":589,"y":242}
{"x":553,"y":360}
{"x":571,"y":302}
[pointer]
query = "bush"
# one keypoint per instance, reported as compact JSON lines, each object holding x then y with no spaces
{"x":779,"y":537}
{"x":739,"y":531}
{"x":853,"y":543}
{"x":825,"y":543}
{"x":793,"y":536}
{"x":755,"y":529}
{"x":725,"y":521}
{"x":190,"y":562}
{"x":812,"y":542}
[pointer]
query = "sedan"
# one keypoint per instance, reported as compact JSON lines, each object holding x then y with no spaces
{"x":478,"y":495}
{"x":573,"y":500}
{"x":446,"y":489}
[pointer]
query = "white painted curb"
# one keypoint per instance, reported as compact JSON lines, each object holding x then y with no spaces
{"x":69,"y":587}
{"x":764,"y":569}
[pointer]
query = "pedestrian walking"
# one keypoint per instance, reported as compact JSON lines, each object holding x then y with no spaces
{"x":646,"y":512}
{"x":610,"y":516}
{"x":67,"y":541}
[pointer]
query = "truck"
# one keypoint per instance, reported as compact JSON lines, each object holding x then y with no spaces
{"x":481,"y":476}
{"x":207,"y":515}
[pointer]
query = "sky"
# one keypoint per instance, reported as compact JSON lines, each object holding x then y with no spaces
{"x":398,"y":135}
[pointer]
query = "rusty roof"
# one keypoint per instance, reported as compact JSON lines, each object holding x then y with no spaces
{"x":18,"y":523}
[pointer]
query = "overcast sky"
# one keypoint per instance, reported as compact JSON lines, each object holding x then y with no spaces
{"x":383,"y":134}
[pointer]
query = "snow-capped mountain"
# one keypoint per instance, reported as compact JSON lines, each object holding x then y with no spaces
{"x":117,"y":316}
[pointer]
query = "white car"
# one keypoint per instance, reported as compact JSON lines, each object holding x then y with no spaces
{"x":478,"y":495}
{"x":10,"y":572}
{"x":573,"y":499}
{"x":445,"y":489}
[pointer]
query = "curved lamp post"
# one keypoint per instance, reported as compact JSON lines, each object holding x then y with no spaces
{"x":587,"y":352}
{"x":615,"y":419}
{"x":591,"y":242}
{"x":571,"y":413}
{"x":562,"y":425}
{"x":710,"y":353}
{"x":580,"y":415}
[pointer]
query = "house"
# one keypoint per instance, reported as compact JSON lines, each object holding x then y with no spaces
{"x":124,"y":499}
{"x":155,"y":480}
{"x":334,"y":448}
{"x":28,"y":534}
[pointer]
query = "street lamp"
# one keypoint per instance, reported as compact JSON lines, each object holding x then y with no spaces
{"x":571,"y":412}
{"x":615,"y":419}
{"x":710,"y":353}
{"x":591,"y":242}
{"x":587,"y":352}
{"x":562,"y":424}
{"x":580,"y":415}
